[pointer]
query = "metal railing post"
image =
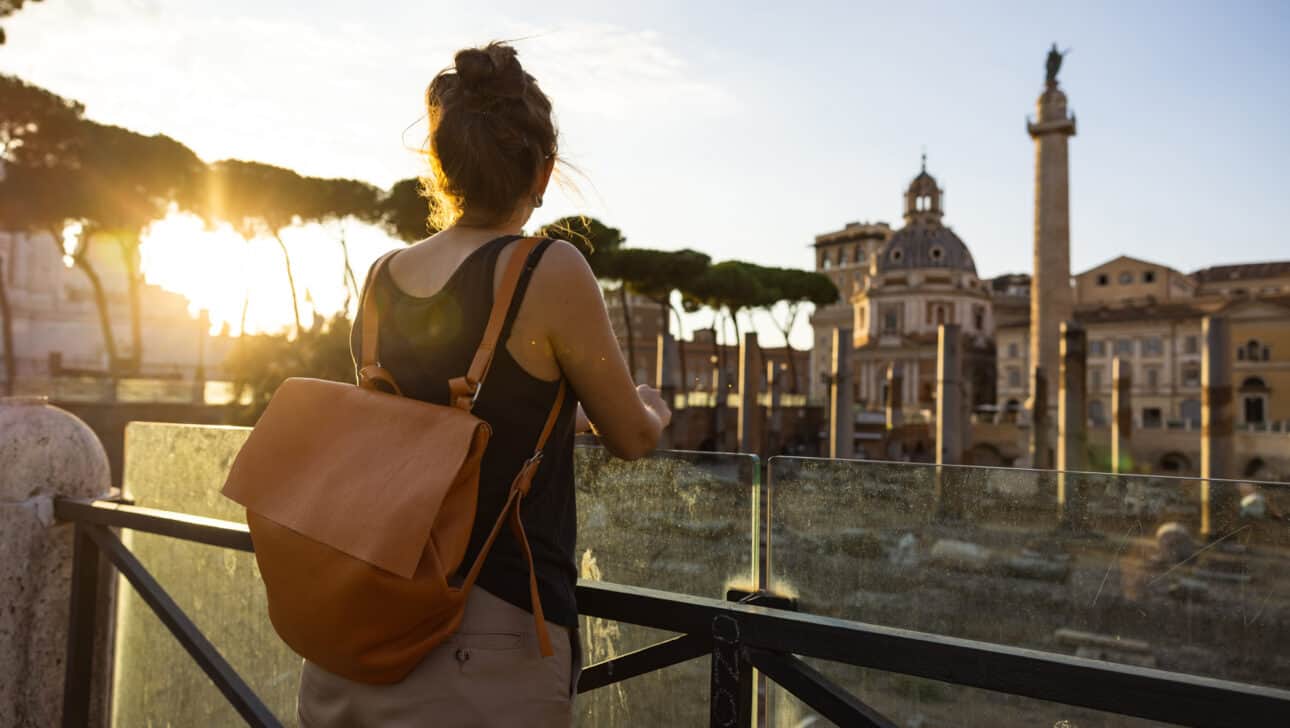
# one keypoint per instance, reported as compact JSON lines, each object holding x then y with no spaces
{"x":731,"y":689}
{"x":77,"y":681}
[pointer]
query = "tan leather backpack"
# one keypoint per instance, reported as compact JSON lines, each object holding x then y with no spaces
{"x":361,"y":503}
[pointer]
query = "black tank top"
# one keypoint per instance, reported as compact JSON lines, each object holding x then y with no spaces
{"x":426,"y":341}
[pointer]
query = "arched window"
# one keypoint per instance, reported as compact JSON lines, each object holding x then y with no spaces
{"x":1096,"y":412}
{"x":1253,"y":350}
{"x":1254,"y":401}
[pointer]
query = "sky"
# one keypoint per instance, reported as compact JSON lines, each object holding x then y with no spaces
{"x":742,"y":133}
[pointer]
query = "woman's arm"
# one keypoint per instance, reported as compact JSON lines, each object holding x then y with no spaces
{"x":628,"y":421}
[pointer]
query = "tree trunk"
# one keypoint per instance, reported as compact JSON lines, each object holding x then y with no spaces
{"x":134,"y":281}
{"x":627,"y":326}
{"x":351,"y":283}
{"x":788,"y":349}
{"x":81,"y":260}
{"x":291,"y":281}
{"x":680,"y":353}
{"x":6,"y":332}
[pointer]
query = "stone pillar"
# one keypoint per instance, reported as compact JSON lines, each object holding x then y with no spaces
{"x":45,"y":453}
{"x":949,"y":395}
{"x":749,"y":430}
{"x":1219,"y":501}
{"x":720,"y":396}
{"x":1040,"y":424}
{"x":841,"y":418}
{"x":1072,"y":423}
{"x":895,"y":395}
{"x":1121,"y":414}
{"x":1051,"y":300}
{"x":667,"y":379}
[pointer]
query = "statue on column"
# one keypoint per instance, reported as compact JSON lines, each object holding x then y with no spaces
{"x":1054,"y":63}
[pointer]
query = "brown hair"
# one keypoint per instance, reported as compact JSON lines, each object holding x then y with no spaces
{"x":490,"y":133}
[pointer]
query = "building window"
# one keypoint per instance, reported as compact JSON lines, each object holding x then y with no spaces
{"x":1191,"y":345}
{"x":1254,"y":398}
{"x":1126,"y":278}
{"x":1097,"y":412}
{"x":1254,"y":351}
{"x":937,"y":253}
{"x":1189,"y":411}
{"x":978,"y":317}
{"x":1151,"y":417}
{"x":1013,"y":350}
{"x":1095,"y":379}
{"x":1124,"y":347}
{"x":1153,"y":378}
{"x":1152,"y":346}
{"x":1191,"y":375}
{"x":897,"y":255}
{"x":1097,"y":347}
{"x":890,"y":321}
{"x":842,"y":257}
{"x":1014,"y":377}
{"x":1103,"y":279}
{"x":1149,"y":276}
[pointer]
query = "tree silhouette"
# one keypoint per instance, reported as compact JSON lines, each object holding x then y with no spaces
{"x":405,"y":213}
{"x":601,"y":245}
{"x":9,"y":7}
{"x":257,"y":199}
{"x":131,"y":181}
{"x":654,"y":274}
{"x":337,"y":200}
{"x":793,"y":288}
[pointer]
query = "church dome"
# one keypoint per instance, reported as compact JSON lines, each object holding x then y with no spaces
{"x":925,"y":246}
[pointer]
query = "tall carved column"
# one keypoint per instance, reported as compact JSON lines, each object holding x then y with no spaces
{"x":895,"y":395}
{"x":949,"y":395}
{"x":1051,"y":300}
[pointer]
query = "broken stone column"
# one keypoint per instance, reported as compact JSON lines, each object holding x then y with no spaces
{"x":749,"y":388}
{"x":1121,"y":415}
{"x":949,"y":395}
{"x":1219,"y":501}
{"x":1040,"y":448}
{"x":841,"y":418}
{"x":950,"y":421}
{"x":1072,"y":422}
{"x":895,"y":395}
{"x":45,"y":453}
{"x":667,"y":379}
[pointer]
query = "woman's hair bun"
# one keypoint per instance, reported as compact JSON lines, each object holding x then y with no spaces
{"x":493,"y":70}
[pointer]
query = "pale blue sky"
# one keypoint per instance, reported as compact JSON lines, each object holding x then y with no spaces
{"x":744,"y":132}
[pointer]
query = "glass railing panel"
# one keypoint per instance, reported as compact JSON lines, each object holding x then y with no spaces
{"x":676,"y":521}
{"x":182,"y":468}
{"x":1108,"y":567}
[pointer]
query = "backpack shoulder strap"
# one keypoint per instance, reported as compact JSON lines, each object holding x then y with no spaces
{"x":370,"y":370}
{"x":465,"y":390}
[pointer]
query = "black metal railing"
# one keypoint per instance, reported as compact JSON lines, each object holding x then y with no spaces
{"x":740,"y":636}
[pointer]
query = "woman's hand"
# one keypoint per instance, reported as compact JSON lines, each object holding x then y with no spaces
{"x":653,"y":402}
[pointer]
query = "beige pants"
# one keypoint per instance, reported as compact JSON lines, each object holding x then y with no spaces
{"x":490,"y":673}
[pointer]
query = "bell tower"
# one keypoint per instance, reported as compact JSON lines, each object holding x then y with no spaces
{"x":923,"y":199}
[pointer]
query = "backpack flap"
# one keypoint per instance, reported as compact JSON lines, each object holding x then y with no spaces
{"x":358,"y":470}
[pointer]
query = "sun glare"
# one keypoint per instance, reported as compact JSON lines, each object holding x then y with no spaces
{"x":217,"y":270}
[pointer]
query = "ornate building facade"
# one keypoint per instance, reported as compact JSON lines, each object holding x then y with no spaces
{"x":899,"y":287}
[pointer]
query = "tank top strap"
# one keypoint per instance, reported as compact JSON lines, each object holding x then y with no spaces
{"x":521,"y":286}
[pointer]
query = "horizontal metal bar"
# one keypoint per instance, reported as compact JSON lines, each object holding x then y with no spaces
{"x":199,"y":529}
{"x":235,"y":690}
{"x":822,"y":694}
{"x":1125,"y":689}
{"x":658,"y":656}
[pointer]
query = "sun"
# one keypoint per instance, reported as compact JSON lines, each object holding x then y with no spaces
{"x":237,"y":280}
